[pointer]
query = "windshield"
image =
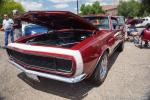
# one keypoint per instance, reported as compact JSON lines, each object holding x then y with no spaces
{"x":99,"y":22}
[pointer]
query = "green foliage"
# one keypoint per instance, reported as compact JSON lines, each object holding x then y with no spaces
{"x":7,"y":6}
{"x":145,"y":8}
{"x":129,"y":8}
{"x":95,"y":8}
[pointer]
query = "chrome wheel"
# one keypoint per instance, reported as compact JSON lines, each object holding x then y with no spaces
{"x":103,"y":68}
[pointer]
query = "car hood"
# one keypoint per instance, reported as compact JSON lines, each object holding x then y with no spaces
{"x":57,"y":20}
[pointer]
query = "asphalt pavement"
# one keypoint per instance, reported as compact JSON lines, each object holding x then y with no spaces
{"x":128,"y":79}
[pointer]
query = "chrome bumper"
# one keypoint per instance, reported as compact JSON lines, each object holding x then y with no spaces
{"x":51,"y":76}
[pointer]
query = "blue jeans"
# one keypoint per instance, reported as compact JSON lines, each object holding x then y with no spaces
{"x":136,"y":40}
{"x":7,"y":33}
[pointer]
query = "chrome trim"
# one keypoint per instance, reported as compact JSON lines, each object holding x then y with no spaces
{"x":51,"y":76}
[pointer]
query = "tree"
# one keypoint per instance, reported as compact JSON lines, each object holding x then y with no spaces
{"x":145,"y":7}
{"x":129,"y":8}
{"x":7,"y":6}
{"x":1,"y":2}
{"x":95,"y":8}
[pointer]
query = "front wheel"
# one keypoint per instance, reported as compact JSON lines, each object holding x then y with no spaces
{"x":101,"y":70}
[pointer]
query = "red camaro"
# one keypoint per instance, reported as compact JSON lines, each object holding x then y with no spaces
{"x":74,"y":49}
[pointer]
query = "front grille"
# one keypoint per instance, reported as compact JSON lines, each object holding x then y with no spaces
{"x":42,"y":62}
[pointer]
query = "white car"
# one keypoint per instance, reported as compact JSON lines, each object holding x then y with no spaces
{"x":146,"y":20}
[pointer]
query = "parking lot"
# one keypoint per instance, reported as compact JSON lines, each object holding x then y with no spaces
{"x":128,"y":79}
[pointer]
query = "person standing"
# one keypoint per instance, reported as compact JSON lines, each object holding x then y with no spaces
{"x":8,"y":29}
{"x":144,"y":32}
{"x":17,"y":24}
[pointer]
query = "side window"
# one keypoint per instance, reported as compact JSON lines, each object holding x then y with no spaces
{"x":114,"y":24}
{"x":121,"y":20}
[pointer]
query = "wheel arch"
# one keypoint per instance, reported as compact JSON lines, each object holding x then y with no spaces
{"x":106,"y":50}
{"x":99,"y":58}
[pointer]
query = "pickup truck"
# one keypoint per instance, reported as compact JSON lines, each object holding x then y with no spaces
{"x":76,"y":48}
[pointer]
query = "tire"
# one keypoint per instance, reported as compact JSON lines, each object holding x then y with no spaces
{"x":141,"y":46}
{"x":121,"y":47}
{"x":101,"y":71}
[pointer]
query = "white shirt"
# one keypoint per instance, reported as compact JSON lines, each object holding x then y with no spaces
{"x":8,"y":24}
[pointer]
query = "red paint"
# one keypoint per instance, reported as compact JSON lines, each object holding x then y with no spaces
{"x":146,"y":35}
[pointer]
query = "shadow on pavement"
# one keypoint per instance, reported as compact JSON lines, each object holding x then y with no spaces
{"x":69,"y":91}
{"x":148,"y":95}
{"x":113,"y":59}
{"x":1,"y":97}
{"x":145,"y":47}
{"x":138,"y":46}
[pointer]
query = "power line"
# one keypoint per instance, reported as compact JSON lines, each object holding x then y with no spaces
{"x":77,"y":7}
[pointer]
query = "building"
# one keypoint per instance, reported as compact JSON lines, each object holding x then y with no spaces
{"x":110,"y":9}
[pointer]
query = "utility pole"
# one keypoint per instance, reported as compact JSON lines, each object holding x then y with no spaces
{"x":77,"y":7}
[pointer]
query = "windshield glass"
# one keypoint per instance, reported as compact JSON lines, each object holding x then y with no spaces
{"x":99,"y":22}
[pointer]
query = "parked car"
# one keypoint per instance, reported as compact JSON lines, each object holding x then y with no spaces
{"x":75,"y":50}
{"x":31,"y":29}
{"x":144,"y":22}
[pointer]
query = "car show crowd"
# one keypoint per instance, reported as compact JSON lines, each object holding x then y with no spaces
{"x":138,"y":36}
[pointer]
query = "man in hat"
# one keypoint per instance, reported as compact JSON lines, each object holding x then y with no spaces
{"x":8,"y":28}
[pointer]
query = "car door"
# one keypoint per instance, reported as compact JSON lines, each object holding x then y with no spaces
{"x":117,"y":32}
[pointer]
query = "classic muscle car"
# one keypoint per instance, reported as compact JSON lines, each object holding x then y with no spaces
{"x":74,"y":49}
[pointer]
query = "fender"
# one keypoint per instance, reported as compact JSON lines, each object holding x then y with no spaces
{"x":104,"y":48}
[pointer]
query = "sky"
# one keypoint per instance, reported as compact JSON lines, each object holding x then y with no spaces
{"x":66,"y":5}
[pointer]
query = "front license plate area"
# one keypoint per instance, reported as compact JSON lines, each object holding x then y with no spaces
{"x":32,"y":76}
